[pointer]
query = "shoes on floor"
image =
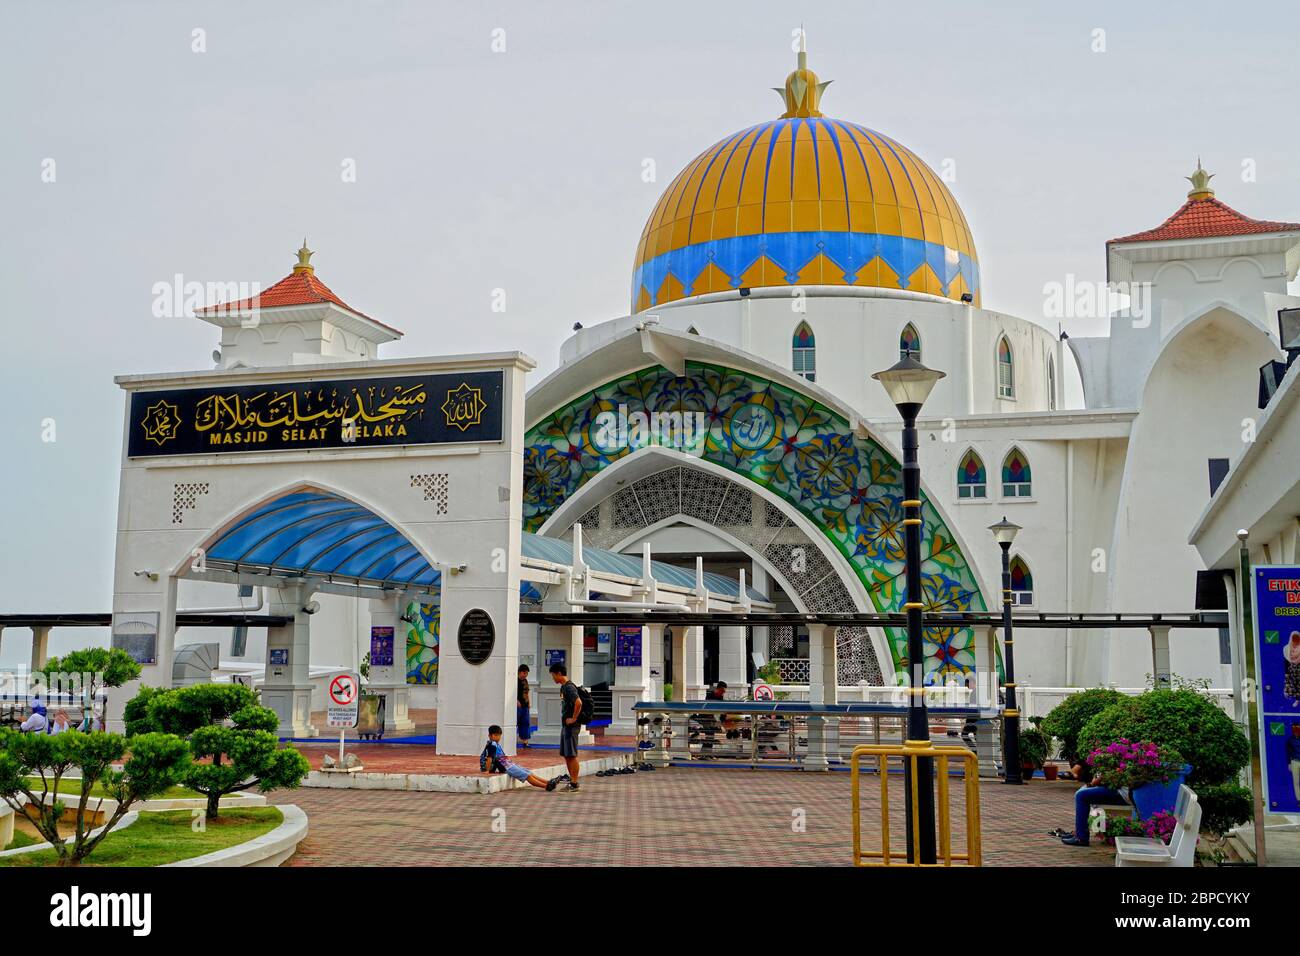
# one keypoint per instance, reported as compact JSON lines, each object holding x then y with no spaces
{"x":570,"y":787}
{"x":553,"y":783}
{"x":1073,"y":840}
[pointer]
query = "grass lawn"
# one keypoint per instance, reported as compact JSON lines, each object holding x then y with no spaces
{"x":20,"y":840}
{"x":167,"y":837}
{"x":73,"y":786}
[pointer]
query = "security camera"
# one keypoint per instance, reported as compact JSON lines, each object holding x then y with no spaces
{"x":151,"y":575}
{"x":577,"y":326}
{"x":967,"y":298}
{"x":457,"y":568}
{"x":408,"y":618}
{"x":311,"y":607}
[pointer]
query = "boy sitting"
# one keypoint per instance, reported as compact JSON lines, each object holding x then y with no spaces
{"x":494,"y":759}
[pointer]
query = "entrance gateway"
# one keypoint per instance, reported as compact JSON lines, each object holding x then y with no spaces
{"x":393,"y":480}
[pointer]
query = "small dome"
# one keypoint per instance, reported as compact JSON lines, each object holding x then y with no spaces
{"x":804,"y":200}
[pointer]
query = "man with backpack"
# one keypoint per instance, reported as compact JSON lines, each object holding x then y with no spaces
{"x":574,"y":707}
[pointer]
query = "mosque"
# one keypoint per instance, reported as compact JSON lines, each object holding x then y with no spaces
{"x":731,"y":415}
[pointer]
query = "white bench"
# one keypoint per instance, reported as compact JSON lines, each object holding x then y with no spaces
{"x":1181,"y":851}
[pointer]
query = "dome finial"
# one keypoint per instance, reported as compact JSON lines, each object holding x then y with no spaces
{"x":1200,"y":181}
{"x":304,"y":259}
{"x":802,"y":92}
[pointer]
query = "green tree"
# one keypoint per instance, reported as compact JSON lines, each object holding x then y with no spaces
{"x":232,"y":738}
{"x":155,"y":763}
{"x":1188,"y":721}
{"x":98,"y":667}
{"x":1067,"y":718}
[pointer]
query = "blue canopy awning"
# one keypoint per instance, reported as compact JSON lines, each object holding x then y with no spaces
{"x":316,"y":533}
{"x":325,"y":535}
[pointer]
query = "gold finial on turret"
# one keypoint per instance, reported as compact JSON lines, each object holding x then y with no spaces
{"x":802,"y":92}
{"x":1200,"y":181}
{"x":304,"y":259}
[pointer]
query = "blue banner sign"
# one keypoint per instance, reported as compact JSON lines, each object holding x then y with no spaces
{"x":1277,"y":664}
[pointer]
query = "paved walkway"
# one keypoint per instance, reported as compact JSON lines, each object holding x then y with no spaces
{"x":672,"y":817}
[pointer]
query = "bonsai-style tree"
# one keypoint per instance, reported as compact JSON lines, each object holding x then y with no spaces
{"x":232,"y":738}
{"x":156,"y":762}
{"x":100,"y":667}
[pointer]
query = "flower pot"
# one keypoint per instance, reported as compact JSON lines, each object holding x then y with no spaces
{"x":1027,"y":771}
{"x":1050,"y":770}
{"x":1149,"y":799}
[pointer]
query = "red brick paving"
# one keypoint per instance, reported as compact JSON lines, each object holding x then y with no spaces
{"x":671,"y":817}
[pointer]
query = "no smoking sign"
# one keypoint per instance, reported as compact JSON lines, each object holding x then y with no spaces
{"x":343,"y":693}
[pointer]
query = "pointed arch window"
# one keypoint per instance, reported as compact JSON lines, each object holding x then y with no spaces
{"x":1006,"y":370}
{"x":909,"y":343}
{"x":1051,"y":384}
{"x":972,"y":481}
{"x":1017,"y":479}
{"x":1022,"y":582}
{"x":803,"y":352}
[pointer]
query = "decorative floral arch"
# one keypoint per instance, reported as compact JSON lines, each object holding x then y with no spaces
{"x":850,"y":488}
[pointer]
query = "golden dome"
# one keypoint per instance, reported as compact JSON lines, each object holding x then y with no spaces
{"x":804,"y":200}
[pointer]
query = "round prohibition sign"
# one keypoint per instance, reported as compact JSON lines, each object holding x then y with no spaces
{"x":764,"y":692}
{"x":343,"y":690}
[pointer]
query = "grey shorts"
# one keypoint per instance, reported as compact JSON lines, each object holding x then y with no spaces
{"x":569,"y":740}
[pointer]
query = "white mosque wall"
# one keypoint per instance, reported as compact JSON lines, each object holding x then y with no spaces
{"x":857,"y":333}
{"x":1197,"y":404}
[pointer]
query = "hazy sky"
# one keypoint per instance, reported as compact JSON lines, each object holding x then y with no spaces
{"x":522,"y":170}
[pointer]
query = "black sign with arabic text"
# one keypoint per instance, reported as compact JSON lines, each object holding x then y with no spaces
{"x":365,"y":412}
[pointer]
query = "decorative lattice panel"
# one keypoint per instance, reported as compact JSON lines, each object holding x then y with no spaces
{"x":435,"y":486}
{"x":627,"y":513}
{"x":737,"y":508}
{"x":185,"y":497}
{"x":702,"y":494}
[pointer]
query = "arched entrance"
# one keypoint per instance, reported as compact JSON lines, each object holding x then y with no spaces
{"x":781,"y":437}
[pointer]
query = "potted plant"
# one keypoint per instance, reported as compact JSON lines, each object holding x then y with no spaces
{"x":1033,"y":750}
{"x":1152,"y":773}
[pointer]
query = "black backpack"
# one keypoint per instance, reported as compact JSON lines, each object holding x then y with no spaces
{"x":489,"y":752}
{"x":588,"y":711}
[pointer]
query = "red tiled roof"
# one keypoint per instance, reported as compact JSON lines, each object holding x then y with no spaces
{"x":1207,"y":218}
{"x":297,"y":288}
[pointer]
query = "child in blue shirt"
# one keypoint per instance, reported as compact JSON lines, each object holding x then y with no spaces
{"x":494,"y":759}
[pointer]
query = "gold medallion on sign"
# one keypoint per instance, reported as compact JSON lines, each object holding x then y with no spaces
{"x":161,"y":422}
{"x":464,"y":407}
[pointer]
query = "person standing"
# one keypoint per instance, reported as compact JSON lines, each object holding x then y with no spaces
{"x":524,"y":708}
{"x":1293,"y":758}
{"x":570,"y":708}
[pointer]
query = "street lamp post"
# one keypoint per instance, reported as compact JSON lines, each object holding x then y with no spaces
{"x":908,"y":384}
{"x":1004,"y":532}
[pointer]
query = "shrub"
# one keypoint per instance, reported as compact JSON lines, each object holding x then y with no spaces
{"x":1188,"y":721}
{"x":1125,"y":763}
{"x":1067,"y":718}
{"x":1223,"y":806}
{"x":136,"y":713}
{"x":155,"y":763}
{"x":232,"y":737}
{"x":1033,"y":746}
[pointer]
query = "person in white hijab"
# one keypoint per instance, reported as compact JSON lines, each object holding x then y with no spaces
{"x":36,"y":723}
{"x":60,"y":722}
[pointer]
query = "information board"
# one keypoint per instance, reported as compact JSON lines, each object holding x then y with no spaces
{"x":1277,"y":666}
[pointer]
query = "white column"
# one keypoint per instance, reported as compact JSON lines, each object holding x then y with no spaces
{"x":566,"y":638}
{"x":287,"y":685}
{"x":693,"y":661}
{"x":40,"y":646}
{"x":1160,"y":673}
{"x":631,"y":682}
{"x":390,"y":680}
{"x":731,"y":660}
{"x":137,"y":593}
{"x":654,"y":653}
{"x":816,"y":758}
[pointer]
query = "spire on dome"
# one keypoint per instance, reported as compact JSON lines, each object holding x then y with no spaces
{"x":802,"y":92}
{"x":304,"y":259}
{"x":1200,"y":181}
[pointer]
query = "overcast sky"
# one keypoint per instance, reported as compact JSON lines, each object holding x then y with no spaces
{"x":480,"y":169}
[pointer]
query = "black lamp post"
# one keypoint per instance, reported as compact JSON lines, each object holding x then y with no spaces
{"x":908,"y":384}
{"x":1004,"y":532}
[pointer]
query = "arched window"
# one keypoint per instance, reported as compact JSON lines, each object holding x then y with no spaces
{"x":909,"y":343}
{"x":1017,"y":481}
{"x":1006,"y":370}
{"x":804,"y":352}
{"x":972,"y":482}
{"x":1022,"y":582}
{"x":1051,"y":384}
